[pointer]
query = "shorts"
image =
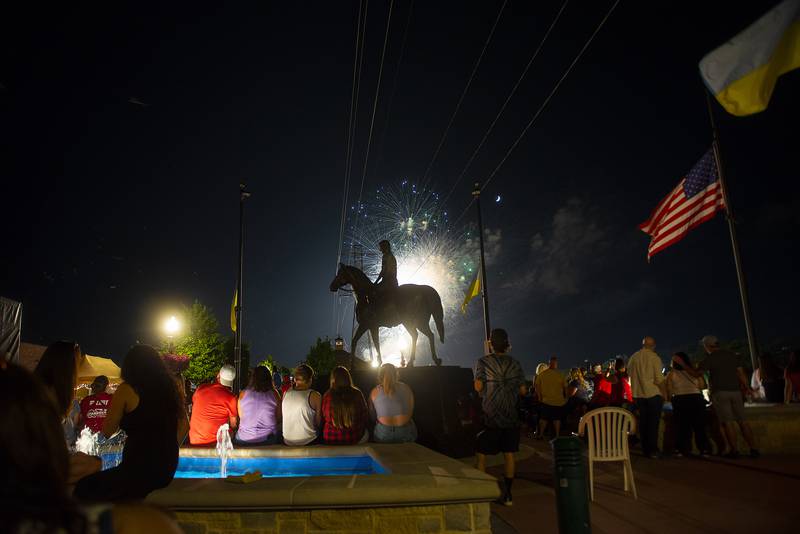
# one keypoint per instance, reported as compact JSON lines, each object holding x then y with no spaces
{"x":552,"y":413}
{"x":395,"y":434}
{"x":495,"y":440}
{"x":728,"y":405}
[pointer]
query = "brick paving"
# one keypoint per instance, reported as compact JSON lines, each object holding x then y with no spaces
{"x":687,"y":496}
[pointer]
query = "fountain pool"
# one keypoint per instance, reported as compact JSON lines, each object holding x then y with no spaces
{"x":271,"y":466}
{"x":371,"y":488}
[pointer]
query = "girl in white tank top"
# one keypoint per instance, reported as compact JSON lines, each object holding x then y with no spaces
{"x":299,"y":418}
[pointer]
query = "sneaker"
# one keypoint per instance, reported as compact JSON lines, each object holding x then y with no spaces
{"x":654,"y":456}
{"x":677,"y":454}
{"x":731,"y":455}
{"x":754,"y":453}
{"x":506,"y":500}
{"x":705,"y":454}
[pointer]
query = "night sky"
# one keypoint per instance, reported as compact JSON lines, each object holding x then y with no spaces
{"x":114,"y":213}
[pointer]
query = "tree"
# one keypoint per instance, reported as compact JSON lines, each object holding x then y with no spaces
{"x":321,"y":356}
{"x":274,"y":366}
{"x":201,"y":342}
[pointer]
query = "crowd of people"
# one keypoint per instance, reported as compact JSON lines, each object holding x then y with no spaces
{"x":42,"y":417}
{"x":643,"y":386}
{"x":639,"y":385}
{"x":299,"y":415}
{"x":151,"y":406}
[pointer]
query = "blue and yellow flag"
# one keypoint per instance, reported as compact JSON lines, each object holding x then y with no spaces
{"x":473,"y":291}
{"x":742,"y":73}
{"x":233,"y":309}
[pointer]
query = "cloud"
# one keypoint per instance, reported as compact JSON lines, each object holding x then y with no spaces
{"x":562,"y":258}
{"x":492,"y":246}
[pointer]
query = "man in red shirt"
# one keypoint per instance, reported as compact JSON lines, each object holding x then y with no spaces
{"x":602,"y":389}
{"x":95,"y":406}
{"x":213,"y":405}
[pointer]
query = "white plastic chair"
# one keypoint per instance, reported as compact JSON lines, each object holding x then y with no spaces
{"x":607,"y":430}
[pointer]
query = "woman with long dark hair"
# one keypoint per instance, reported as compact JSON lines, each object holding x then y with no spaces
{"x":58,"y":371}
{"x":344,"y":411}
{"x":259,"y":411}
{"x":791,"y":376}
{"x":147,"y":407}
{"x":688,"y":406}
{"x":33,"y":485}
{"x":772,"y":378}
{"x":392,"y":405}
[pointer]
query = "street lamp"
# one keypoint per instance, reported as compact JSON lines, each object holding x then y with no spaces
{"x":171,"y":327}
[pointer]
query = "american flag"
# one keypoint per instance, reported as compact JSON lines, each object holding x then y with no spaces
{"x":696,"y":199}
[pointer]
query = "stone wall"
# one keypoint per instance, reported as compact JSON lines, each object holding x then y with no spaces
{"x":448,"y":518}
{"x":776,"y":428}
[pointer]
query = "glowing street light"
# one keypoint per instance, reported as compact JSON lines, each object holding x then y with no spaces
{"x":172,"y":326}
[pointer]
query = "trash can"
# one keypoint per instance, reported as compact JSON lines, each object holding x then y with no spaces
{"x":572,"y":494}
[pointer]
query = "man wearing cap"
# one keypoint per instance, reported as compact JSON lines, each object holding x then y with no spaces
{"x":649,"y":392}
{"x":95,"y":406}
{"x":213,"y":405}
{"x":728,"y":385}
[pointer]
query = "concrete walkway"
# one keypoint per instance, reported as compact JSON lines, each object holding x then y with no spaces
{"x":676,"y":495}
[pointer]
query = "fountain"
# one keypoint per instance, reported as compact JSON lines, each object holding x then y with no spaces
{"x":87,"y":442}
{"x":224,"y":446}
{"x":108,"y":449}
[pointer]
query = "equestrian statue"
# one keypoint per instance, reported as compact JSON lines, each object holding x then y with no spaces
{"x":384,"y":303}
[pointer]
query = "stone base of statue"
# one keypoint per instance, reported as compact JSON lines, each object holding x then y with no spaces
{"x":445,"y":404}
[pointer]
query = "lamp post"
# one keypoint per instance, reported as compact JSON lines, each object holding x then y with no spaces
{"x":171,"y":327}
{"x":244,"y":194}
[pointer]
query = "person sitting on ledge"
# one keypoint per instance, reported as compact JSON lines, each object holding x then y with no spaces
{"x":344,"y":411}
{"x":213,"y":405}
{"x":95,"y":406}
{"x":147,"y":407}
{"x":392,"y":406}
{"x":34,"y":456}
{"x":259,"y":411}
{"x":301,"y":409}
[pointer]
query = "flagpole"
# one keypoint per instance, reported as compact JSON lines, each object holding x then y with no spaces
{"x":737,"y":255}
{"x":476,"y":194}
{"x":237,"y":339}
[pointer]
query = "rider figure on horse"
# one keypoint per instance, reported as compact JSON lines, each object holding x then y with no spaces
{"x":387,"y":279}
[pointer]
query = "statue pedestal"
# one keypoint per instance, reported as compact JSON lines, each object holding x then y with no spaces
{"x":442,"y":398}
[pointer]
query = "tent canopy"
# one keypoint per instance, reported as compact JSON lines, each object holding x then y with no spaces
{"x":92,"y":366}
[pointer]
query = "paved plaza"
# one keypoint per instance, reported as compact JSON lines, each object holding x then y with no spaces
{"x":676,"y":495}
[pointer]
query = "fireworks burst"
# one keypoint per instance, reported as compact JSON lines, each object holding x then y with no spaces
{"x":428,"y":252}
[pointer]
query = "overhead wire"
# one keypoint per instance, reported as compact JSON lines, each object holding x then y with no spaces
{"x":463,"y":94}
{"x":508,"y":99}
{"x":363,"y":6}
{"x":358,"y":54}
{"x":550,"y":96}
{"x":374,"y":109}
{"x":531,"y":122}
{"x":394,"y":85}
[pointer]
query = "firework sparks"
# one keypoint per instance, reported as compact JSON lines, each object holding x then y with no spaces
{"x":428,"y":252}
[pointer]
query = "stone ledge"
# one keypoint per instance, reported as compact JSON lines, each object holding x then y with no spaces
{"x":418,"y":476}
{"x":442,"y":519}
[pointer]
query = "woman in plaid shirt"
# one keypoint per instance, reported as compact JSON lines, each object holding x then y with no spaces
{"x":344,"y":411}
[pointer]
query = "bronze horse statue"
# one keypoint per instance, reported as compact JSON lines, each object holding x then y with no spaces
{"x":410,"y":305}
